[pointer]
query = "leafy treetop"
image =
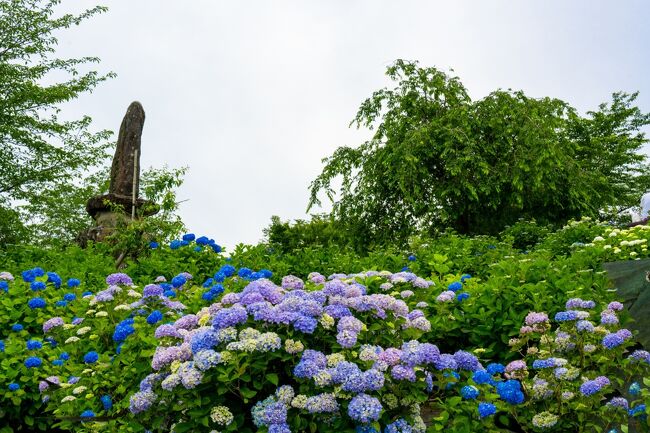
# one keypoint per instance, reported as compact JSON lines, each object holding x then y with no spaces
{"x":437,"y":159}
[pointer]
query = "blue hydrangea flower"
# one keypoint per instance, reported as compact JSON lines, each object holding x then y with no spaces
{"x":462,"y":296}
{"x":69,"y":297}
{"x":208,"y":296}
{"x":204,"y":340}
{"x":4,"y":286}
{"x":613,"y":340}
{"x":591,"y":387}
{"x":469,"y":392}
{"x":33,"y":362}
{"x":411,"y":258}
{"x":481,"y":377}
{"x":123,"y":330}
{"x":203,"y":240}
{"x":510,"y":391}
{"x":17,"y":327}
{"x":189,"y":237}
{"x":178,"y":281}
{"x":566,"y":316}
{"x":399,"y":426}
{"x":54,"y":278}
{"x":495,"y":368}
{"x":639,"y":409}
{"x":37,"y":285}
{"x":153,"y":245}
{"x":364,"y":408}
{"x":34,"y":345}
{"x":455,"y":286}
{"x":217,"y":289}
{"x":73,"y":282}
{"x":467,"y":361}
{"x":486,"y":409}
{"x":91,"y":357}
{"x":544,"y":363}
{"x":227,"y":270}
{"x":36,"y":303}
{"x":28,"y":276}
{"x":635,"y":388}
{"x":87,"y":414}
{"x":107,"y":402}
{"x":14,"y":386}
{"x":244,"y":273}
{"x":155,"y":317}
{"x":175,"y":244}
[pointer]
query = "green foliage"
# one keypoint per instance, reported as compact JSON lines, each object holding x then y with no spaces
{"x":320,"y":231}
{"x":437,"y":159}
{"x":39,"y":152}
{"x":525,"y":234}
{"x":133,"y":237}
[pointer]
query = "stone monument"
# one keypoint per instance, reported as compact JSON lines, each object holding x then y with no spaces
{"x":122,"y":202}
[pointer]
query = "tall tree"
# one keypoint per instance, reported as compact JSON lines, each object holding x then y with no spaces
{"x":41,"y":154}
{"x":437,"y":159}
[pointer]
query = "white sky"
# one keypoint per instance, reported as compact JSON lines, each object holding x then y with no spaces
{"x":251,"y":95}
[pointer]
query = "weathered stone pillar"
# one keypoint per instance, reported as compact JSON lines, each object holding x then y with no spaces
{"x":109,"y":209}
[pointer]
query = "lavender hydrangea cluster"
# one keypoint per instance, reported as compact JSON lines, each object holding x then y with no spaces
{"x":194,"y":344}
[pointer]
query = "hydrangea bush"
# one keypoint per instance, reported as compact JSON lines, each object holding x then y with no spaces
{"x":227,"y":348}
{"x":579,"y":375}
{"x":323,"y":355}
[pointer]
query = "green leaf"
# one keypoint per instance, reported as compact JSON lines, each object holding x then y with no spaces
{"x":273,"y":378}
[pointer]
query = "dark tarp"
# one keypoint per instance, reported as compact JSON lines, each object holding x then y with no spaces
{"x":631,"y":280}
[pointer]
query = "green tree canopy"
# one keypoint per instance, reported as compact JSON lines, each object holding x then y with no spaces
{"x":41,"y":154}
{"x":437,"y":159}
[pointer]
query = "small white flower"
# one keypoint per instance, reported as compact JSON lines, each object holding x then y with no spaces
{"x":101,"y":314}
{"x":72,"y":340}
{"x":84,"y":330}
{"x":68,"y":398}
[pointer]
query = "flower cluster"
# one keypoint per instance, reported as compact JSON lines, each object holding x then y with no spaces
{"x":555,"y":361}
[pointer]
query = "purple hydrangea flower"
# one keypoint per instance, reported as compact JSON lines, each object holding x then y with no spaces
{"x":119,"y":278}
{"x":229,"y":317}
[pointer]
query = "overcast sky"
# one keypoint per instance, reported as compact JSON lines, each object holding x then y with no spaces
{"x":251,"y":95}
